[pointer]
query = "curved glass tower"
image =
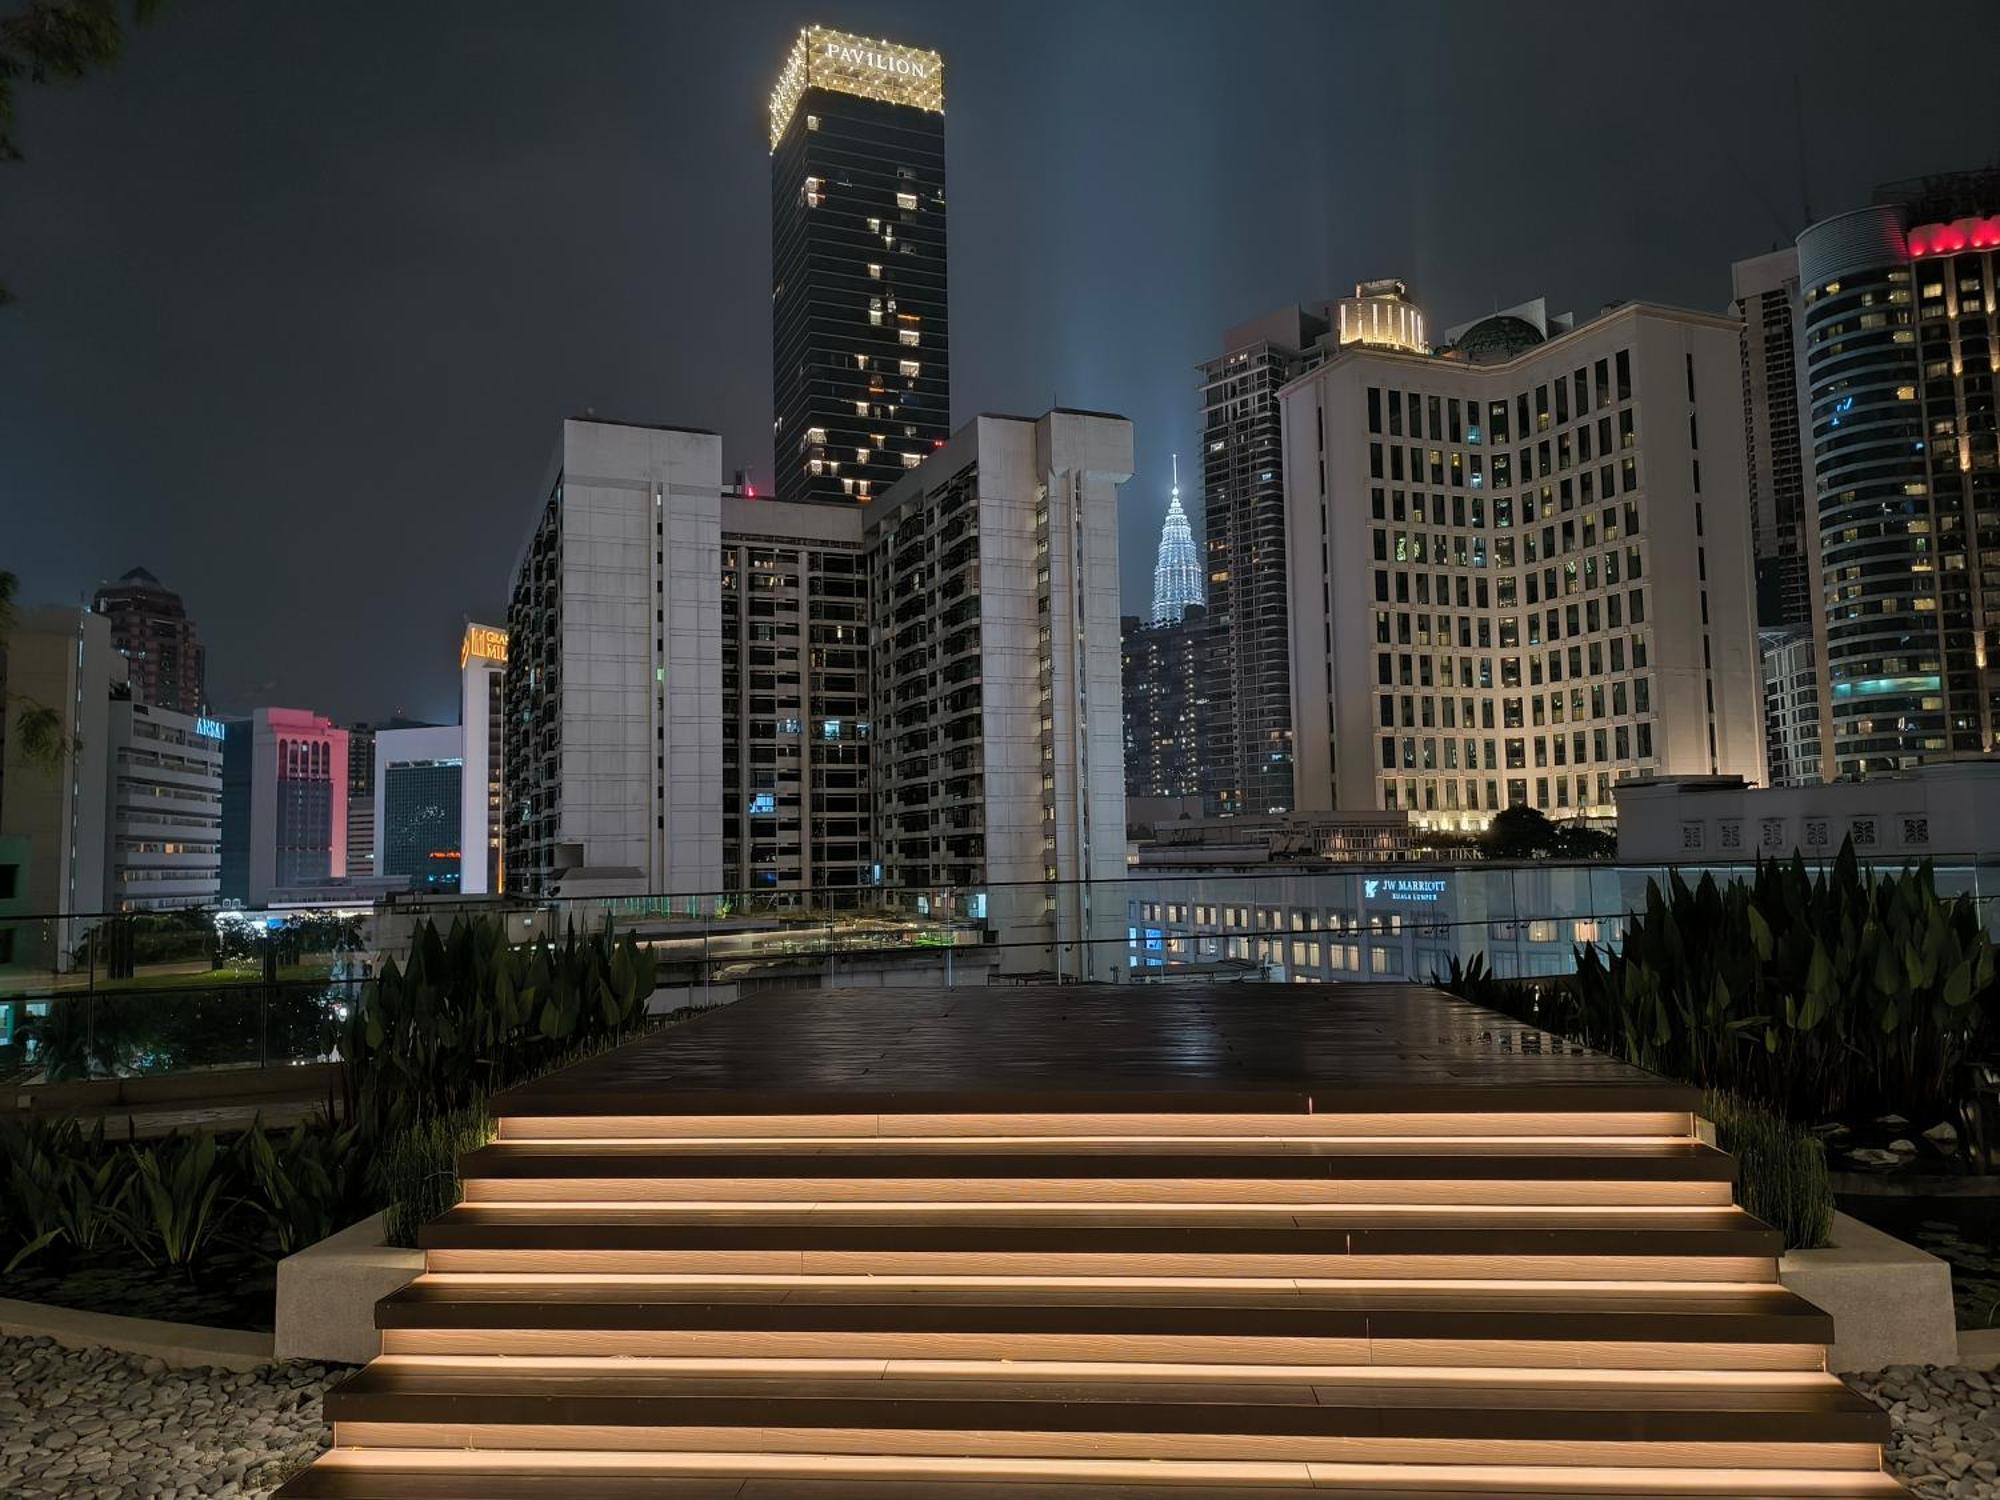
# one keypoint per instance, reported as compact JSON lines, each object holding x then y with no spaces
{"x":1900,"y":362}
{"x":1177,"y":573}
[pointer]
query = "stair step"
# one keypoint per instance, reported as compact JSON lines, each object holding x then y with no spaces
{"x":614,"y":1394}
{"x":1746,"y":1314}
{"x":1553,"y":1159}
{"x":338,"y":1482}
{"x":1122,"y":1230}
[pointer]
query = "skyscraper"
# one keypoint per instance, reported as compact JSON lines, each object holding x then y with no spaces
{"x":1780,"y":466}
{"x":420,"y":805}
{"x":1177,"y":573}
{"x":284,"y":805}
{"x":1164,"y":706}
{"x":1901,"y":353}
{"x":150,"y":628}
{"x":860,"y":347}
{"x":1246,"y":759}
{"x":482,"y":673}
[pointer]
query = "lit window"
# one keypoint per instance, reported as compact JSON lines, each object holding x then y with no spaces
{"x":875,"y":270}
{"x":861,"y":455}
{"x":861,"y":408}
{"x":910,"y":367}
{"x":815,"y":434}
{"x":909,"y":336}
{"x":911,"y":460}
{"x":875,"y":311}
{"x":906,"y":200}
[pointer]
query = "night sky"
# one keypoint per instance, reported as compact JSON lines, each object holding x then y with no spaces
{"x":304,"y":290}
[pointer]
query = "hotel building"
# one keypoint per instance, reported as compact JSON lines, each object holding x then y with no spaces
{"x":859,"y":330}
{"x":284,"y":806}
{"x":1901,"y":357}
{"x":419,"y":805}
{"x":1521,"y":572}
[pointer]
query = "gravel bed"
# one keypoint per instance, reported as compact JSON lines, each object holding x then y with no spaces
{"x":92,"y":1424}
{"x":1946,"y":1444}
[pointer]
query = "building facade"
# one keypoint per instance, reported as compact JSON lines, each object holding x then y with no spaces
{"x":420,"y":806}
{"x":993,"y":595}
{"x":360,"y":801}
{"x":1900,"y":364}
{"x":150,"y":628}
{"x":859,"y":328}
{"x":796,"y":813}
{"x":1779,"y":462}
{"x":1794,"y":717}
{"x":612,"y":756}
{"x":1519,"y":582}
{"x":163,"y":829}
{"x":54,"y":809}
{"x":1165,"y":709}
{"x":284,"y":805}
{"x":482,"y":682}
{"x":1246,"y":760}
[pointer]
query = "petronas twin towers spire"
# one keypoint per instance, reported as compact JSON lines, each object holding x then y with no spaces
{"x":1177,"y":574}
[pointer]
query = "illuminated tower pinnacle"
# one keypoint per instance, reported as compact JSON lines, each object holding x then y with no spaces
{"x":1177,"y":575}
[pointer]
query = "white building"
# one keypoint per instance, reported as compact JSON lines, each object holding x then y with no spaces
{"x":1521,"y":572}
{"x":613,"y":748}
{"x":164,"y":827}
{"x":998,"y":764}
{"x":482,"y":674}
{"x":708,"y":692}
{"x":1936,"y":811}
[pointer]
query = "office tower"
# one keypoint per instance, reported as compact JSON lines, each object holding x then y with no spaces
{"x":796,"y":731}
{"x":1246,"y":759}
{"x":164,"y":827}
{"x":150,"y":628}
{"x":993,"y":591}
{"x":1522,"y":572}
{"x":419,"y":805}
{"x":53,"y":813}
{"x":284,"y":806}
{"x":612,"y":757}
{"x":1164,"y":706}
{"x":1768,"y":302}
{"x":482,"y":679}
{"x":1793,"y":721}
{"x":360,"y":801}
{"x":1900,"y":364}
{"x":1177,"y":571}
{"x":859,"y":332}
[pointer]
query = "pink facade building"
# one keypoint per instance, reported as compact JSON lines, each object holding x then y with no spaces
{"x":284,"y":805}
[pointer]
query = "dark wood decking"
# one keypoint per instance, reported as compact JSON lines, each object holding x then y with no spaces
{"x":1227,"y":1048}
{"x":1236,"y":1242}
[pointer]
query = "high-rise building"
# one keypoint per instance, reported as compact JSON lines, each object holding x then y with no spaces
{"x":150,"y":628}
{"x":482,"y":679}
{"x":1246,"y":760}
{"x":777,"y":695}
{"x":796,"y":732}
{"x":164,"y":828}
{"x":612,"y":757}
{"x":53,"y":808}
{"x":1793,"y":722}
{"x":1521,"y":573}
{"x":859,"y":330}
{"x":360,"y":801}
{"x":1768,"y":301}
{"x":1177,"y":572}
{"x":1901,"y":354}
{"x":1164,"y":707}
{"x":419,"y":805}
{"x":284,"y":805}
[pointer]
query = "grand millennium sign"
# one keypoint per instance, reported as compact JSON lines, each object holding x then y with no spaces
{"x":823,"y":59}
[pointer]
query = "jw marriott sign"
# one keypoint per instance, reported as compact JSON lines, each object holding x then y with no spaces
{"x":864,"y":66}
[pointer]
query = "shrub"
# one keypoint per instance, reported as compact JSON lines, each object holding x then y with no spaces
{"x":420,"y":1168}
{"x":304,"y":1185}
{"x":178,"y":1198}
{"x":1838,"y":994}
{"x":1780,"y":1169}
{"x":60,"y":1192}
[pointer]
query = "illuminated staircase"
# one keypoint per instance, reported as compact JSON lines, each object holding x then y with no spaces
{"x":1031,"y":1303}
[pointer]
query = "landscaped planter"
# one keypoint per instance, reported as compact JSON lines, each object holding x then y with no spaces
{"x":327,"y":1294}
{"x":1890,"y":1302}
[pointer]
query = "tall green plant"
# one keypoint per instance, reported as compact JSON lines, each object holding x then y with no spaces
{"x":1831,"y":994}
{"x":1781,"y":1173}
{"x":60,"y":1192}
{"x":178,"y":1200}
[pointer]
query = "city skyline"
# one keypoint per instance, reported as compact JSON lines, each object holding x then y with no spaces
{"x":423,"y":435}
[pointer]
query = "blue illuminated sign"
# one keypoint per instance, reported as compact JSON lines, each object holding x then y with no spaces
{"x":209,"y":729}
{"x":1419,"y":892}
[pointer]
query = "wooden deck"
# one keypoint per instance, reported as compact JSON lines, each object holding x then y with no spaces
{"x":1096,"y":1243}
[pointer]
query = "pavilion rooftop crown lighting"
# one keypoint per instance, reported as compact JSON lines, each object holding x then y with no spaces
{"x":873,"y":69}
